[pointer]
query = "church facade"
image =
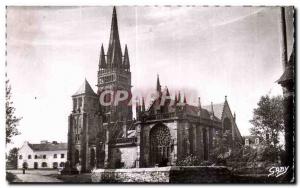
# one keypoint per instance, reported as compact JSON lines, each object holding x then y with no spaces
{"x":102,"y":132}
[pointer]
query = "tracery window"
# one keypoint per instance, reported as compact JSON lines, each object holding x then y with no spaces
{"x":160,"y":141}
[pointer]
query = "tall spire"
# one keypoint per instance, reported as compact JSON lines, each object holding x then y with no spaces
{"x":158,"y":86}
{"x":167,"y":92}
{"x":126,"y":62}
{"x":137,"y":105}
{"x":184,"y":99}
{"x":179,"y":97}
{"x":143,"y":105}
{"x":114,"y":52}
{"x":199,"y":103}
{"x":212,"y":109}
{"x":234,"y":117}
{"x":102,"y":62}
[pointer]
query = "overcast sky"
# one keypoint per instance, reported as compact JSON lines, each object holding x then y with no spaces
{"x":203,"y":51}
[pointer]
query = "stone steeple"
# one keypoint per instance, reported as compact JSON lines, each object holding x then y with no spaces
{"x":184,"y":99}
{"x":158,"y":86}
{"x":143,"y":105}
{"x":126,"y":62}
{"x":199,"y":103}
{"x":115,"y":75}
{"x":102,"y":62}
{"x":85,"y":88}
{"x":114,"y":52}
{"x":179,"y":97}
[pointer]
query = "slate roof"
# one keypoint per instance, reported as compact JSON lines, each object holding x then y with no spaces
{"x":85,"y":88}
{"x":48,"y":146}
{"x":195,"y":109}
{"x":218,"y":109}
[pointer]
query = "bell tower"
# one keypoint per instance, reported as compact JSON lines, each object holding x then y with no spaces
{"x":114,"y":78}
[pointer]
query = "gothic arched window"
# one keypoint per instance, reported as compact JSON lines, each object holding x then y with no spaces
{"x":160,"y":145}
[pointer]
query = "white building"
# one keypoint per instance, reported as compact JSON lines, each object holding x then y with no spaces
{"x":43,"y":155}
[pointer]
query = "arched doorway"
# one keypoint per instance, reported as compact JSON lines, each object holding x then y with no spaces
{"x":160,"y":141}
{"x":25,"y":165}
{"x":92,"y":158}
{"x":55,"y":165}
{"x":76,"y":156}
{"x":44,"y":165}
{"x":205,"y":144}
{"x":35,"y":165}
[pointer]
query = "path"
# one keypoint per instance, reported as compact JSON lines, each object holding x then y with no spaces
{"x":36,"y":176}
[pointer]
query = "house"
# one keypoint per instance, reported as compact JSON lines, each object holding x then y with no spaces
{"x":43,"y":155}
{"x":252,"y":141}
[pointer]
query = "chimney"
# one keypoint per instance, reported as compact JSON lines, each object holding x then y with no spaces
{"x":54,"y":142}
{"x":44,"y":142}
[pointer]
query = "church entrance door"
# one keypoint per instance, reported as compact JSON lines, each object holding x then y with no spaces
{"x":76,"y":156}
{"x":160,"y":141}
{"x":92,"y":158}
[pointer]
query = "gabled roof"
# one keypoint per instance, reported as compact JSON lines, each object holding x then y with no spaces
{"x":48,"y":146}
{"x":85,"y":88}
{"x":218,"y":109}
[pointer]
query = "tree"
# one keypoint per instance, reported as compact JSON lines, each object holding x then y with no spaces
{"x":11,"y":120}
{"x":268,"y":119}
{"x":268,"y":123}
{"x":13,"y":157}
{"x":225,"y":150}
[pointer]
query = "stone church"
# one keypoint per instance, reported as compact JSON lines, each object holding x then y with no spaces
{"x":168,"y":130}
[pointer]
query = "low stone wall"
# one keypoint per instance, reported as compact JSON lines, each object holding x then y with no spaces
{"x":150,"y":175}
{"x":201,"y":174}
{"x":174,"y":174}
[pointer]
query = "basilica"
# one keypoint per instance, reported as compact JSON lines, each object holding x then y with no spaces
{"x":105,"y":135}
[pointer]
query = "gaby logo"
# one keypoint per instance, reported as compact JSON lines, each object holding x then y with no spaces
{"x":278,"y":171}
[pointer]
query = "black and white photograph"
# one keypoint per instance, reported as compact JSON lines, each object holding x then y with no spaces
{"x":150,"y":94}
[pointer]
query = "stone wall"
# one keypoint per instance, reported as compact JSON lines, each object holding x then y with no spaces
{"x":147,"y":175}
{"x":200,"y":174}
{"x":174,"y":174}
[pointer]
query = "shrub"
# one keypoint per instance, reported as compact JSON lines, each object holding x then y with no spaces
{"x":190,"y":160}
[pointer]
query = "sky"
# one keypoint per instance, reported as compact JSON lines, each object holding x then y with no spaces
{"x":208,"y":52}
